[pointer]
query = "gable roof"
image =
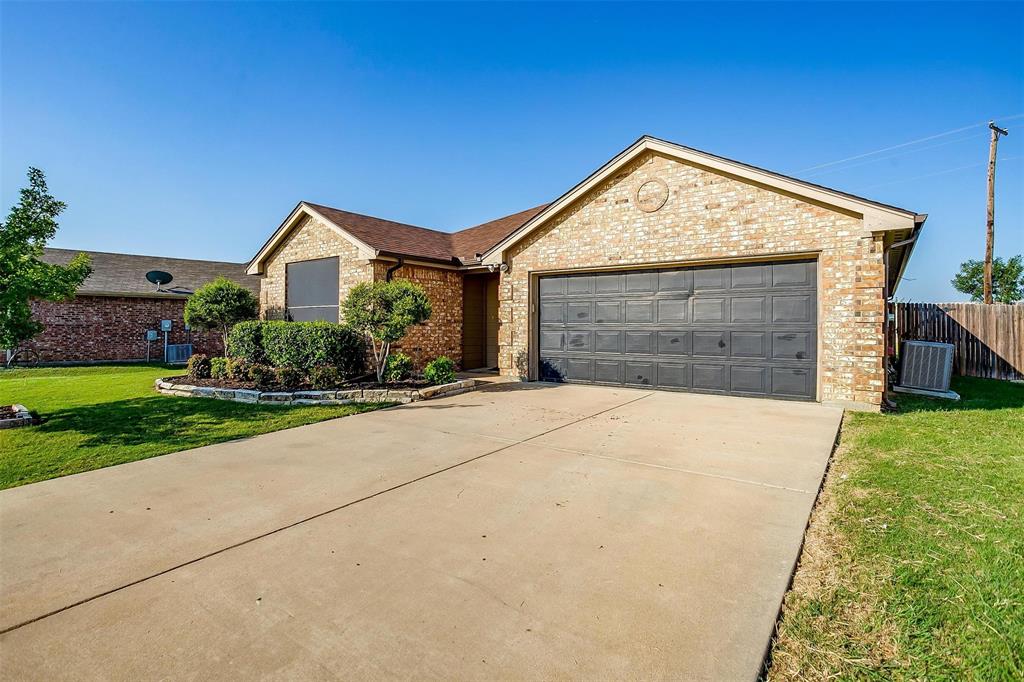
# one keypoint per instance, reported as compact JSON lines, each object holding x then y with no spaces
{"x":375,"y":236}
{"x":876,"y":215}
{"x":122,"y":274}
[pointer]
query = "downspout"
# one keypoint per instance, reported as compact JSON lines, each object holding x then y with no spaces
{"x":391,"y":271}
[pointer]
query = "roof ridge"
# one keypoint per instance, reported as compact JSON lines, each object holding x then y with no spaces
{"x":373,"y":217}
{"x":143,"y":255}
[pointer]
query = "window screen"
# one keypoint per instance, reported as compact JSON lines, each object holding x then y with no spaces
{"x":311,"y":290}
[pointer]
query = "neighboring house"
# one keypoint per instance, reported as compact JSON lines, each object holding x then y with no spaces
{"x":112,"y":310}
{"x":666,"y":268}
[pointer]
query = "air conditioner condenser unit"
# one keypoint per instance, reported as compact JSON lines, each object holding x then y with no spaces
{"x":926,"y":368}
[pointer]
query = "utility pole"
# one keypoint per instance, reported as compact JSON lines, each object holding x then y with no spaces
{"x":990,"y":226}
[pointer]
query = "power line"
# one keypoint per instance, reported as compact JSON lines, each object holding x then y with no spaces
{"x":941,"y":172}
{"x":907,"y":144}
{"x":903,"y":153}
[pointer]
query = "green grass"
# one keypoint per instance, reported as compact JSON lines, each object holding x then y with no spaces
{"x":913,"y":566}
{"x":103,"y":415}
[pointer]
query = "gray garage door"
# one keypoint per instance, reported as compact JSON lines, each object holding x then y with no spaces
{"x":746,"y":329}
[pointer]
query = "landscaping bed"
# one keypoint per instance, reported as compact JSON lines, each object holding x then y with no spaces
{"x":186,"y":387}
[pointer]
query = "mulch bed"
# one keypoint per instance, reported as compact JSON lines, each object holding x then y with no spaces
{"x":250,"y":386}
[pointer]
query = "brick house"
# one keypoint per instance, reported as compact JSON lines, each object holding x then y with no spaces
{"x":667,"y":267}
{"x":112,"y":310}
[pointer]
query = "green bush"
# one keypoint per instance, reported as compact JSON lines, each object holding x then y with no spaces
{"x":303,"y":345}
{"x":263,"y":376}
{"x":290,"y":377}
{"x":198,"y":367}
{"x":219,"y":368}
{"x":323,"y":378}
{"x":440,"y":371}
{"x":399,"y":367}
{"x":245,"y":341}
{"x":237,"y":368}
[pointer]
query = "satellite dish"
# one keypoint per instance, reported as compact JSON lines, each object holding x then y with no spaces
{"x":159,"y":278}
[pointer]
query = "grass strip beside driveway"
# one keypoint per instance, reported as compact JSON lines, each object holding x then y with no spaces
{"x":913,"y":565}
{"x":98,"y":416}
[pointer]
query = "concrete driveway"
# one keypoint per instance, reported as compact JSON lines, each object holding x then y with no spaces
{"x":525,"y":531}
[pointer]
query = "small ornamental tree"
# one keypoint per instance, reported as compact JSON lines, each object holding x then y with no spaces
{"x":220,"y":305}
{"x":383,"y":312}
{"x":1007,"y":279}
{"x":23,"y":276}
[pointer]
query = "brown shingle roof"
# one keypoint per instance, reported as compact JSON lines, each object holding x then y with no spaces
{"x":125,"y":274}
{"x":421,"y":242}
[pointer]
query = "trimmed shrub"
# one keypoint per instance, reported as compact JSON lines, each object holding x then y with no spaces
{"x":324,"y":378}
{"x":289,"y":377}
{"x":219,"y":368}
{"x":399,"y":367}
{"x":198,"y":367}
{"x":440,"y":371}
{"x":245,"y":341}
{"x":237,"y":368}
{"x":262,"y":375}
{"x":303,"y":345}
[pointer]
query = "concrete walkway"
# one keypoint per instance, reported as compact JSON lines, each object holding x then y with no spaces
{"x":523,"y":531}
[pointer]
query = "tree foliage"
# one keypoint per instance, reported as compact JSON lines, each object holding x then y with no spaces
{"x":220,"y":305}
{"x":384,"y":312}
{"x":23,"y":276}
{"x":1007,"y":279}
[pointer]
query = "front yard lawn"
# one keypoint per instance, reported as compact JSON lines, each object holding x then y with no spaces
{"x":913,"y":565}
{"x":103,"y":415}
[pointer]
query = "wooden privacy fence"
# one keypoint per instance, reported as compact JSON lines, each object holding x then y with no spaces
{"x":989,"y":339}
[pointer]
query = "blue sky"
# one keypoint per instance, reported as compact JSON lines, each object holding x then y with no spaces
{"x":192,"y":129}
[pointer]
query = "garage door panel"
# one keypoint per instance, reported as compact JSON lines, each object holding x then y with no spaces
{"x":552,"y":340}
{"x":606,"y":341}
{"x":640,"y":282}
{"x":673,"y":375}
{"x":749,"y":344}
{"x":748,"y":379}
{"x":749,"y":276}
{"x":608,"y":284}
{"x":639,"y":373}
{"x":578,"y":312}
{"x":582,"y":284}
{"x":639,"y":311}
{"x":608,"y":312}
{"x":670,"y":281}
{"x":673,"y":310}
{"x":639,"y":342}
{"x":795,"y":309}
{"x":748,"y":329}
{"x":793,"y":345}
{"x":675,"y":343}
{"x":579,"y":369}
{"x":707,"y":377}
{"x":552,"y":312}
{"x":709,"y":309}
{"x":710,"y":279}
{"x":799,"y":274}
{"x":608,"y":371}
{"x":710,"y":343}
{"x":792,"y":382}
{"x":748,"y":309}
{"x":577,"y":341}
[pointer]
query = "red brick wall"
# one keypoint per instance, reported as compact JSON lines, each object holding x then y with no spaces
{"x":98,"y":328}
{"x":442,"y":333}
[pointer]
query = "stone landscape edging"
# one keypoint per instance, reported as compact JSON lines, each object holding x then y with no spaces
{"x":336,"y":397}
